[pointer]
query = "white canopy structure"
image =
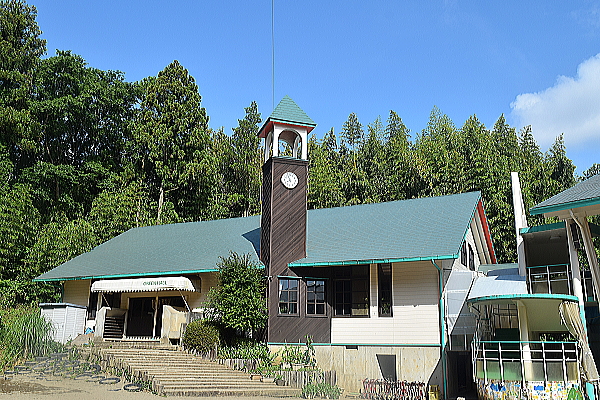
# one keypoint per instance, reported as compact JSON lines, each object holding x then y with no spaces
{"x":144,"y":285}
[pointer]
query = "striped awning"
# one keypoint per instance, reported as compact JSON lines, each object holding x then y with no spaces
{"x":144,"y":285}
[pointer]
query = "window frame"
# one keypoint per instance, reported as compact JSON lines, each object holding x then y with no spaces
{"x":316,"y":302}
{"x":288,"y":291}
{"x":352,"y":275}
{"x":381,"y":291}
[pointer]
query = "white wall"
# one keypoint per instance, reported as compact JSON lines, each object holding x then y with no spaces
{"x":77,"y":292}
{"x":416,"y":320}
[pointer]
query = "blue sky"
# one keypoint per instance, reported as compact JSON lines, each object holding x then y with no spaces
{"x":536,"y":62}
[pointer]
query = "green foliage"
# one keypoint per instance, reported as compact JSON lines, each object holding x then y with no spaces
{"x":19,"y":222}
{"x":293,"y":354}
{"x":58,"y":242}
{"x":201,"y":336}
{"x":24,"y":333}
{"x":247,"y":350}
{"x":172,"y":129}
{"x":238,"y":301}
{"x":323,"y":389}
{"x":18,"y":292}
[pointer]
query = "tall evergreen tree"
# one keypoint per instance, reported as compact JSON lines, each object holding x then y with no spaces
{"x":172,"y":127}
{"x":20,"y":52}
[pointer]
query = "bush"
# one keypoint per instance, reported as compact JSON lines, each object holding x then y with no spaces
{"x":312,"y":390}
{"x":247,"y":350}
{"x":24,"y":333}
{"x":201,"y":336}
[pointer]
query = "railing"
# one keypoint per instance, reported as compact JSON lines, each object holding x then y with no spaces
{"x":554,"y":279}
{"x":526,"y":361}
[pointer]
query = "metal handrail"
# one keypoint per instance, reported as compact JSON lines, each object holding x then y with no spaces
{"x":525,"y":351}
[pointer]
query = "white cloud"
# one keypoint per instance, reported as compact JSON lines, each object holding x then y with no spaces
{"x":571,"y":106}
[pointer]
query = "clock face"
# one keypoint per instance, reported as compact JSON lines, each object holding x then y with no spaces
{"x":289,"y":180}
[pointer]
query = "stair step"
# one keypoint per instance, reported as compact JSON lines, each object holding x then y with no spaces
{"x":173,"y":372}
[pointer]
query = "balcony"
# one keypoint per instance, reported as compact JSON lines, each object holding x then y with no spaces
{"x":526,"y":361}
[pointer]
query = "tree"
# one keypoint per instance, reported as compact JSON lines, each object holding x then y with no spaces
{"x":246,"y":163}
{"x":172,"y":128}
{"x":19,"y":223}
{"x":352,"y":131}
{"x":20,"y":52}
{"x":591,"y":171}
{"x":58,"y":242}
{"x":238,"y":301}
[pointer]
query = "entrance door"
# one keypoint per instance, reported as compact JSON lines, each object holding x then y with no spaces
{"x":140,"y":316}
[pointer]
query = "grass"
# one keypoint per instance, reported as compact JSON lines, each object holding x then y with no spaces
{"x":24,"y":334}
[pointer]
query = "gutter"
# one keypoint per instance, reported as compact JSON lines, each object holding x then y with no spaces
{"x":443,"y":330}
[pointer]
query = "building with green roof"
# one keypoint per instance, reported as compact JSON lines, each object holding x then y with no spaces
{"x":361,"y":280}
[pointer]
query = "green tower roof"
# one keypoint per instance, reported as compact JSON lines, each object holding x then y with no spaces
{"x":288,"y":111}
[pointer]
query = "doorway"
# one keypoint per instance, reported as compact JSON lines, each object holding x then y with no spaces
{"x":175,"y":301}
{"x":140,"y":317}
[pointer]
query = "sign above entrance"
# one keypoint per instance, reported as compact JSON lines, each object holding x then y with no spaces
{"x":145,"y":285}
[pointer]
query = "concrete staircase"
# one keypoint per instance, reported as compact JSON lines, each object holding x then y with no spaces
{"x":172,"y":372}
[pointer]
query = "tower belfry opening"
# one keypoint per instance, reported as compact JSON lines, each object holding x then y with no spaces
{"x":287,"y":129}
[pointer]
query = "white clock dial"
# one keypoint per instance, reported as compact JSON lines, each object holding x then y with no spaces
{"x":289,"y":180}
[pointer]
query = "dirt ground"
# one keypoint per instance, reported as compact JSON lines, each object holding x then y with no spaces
{"x":34,"y":387}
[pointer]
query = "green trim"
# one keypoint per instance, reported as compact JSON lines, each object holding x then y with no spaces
{"x":544,"y":266}
{"x":289,"y":277}
{"x":77,"y":278}
{"x":361,"y":344}
{"x":522,"y":341}
{"x":443,"y":329}
{"x":536,"y":210}
{"x":545,"y":296}
{"x":542,"y":228}
{"x":382,"y":261}
{"x":292,"y":122}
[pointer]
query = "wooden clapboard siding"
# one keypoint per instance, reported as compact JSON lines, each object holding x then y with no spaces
{"x":415,"y":318}
{"x":77,"y":292}
{"x":283,"y":240}
{"x":415,"y":290}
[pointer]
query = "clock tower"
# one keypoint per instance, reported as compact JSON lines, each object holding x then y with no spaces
{"x":284,"y":188}
{"x":283,"y":221}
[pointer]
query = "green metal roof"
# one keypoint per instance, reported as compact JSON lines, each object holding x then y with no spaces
{"x":586,"y":193}
{"x":417,"y":229}
{"x":542,"y":228}
{"x":406,"y":230}
{"x":164,"y":250}
{"x":288,"y":111}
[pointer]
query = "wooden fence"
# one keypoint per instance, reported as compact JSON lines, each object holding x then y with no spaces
{"x":295,"y":379}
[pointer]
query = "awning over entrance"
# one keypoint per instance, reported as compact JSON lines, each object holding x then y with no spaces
{"x":144,"y":285}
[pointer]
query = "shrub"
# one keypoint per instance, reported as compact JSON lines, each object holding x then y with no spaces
{"x":312,"y":390}
{"x":247,"y":350}
{"x":201,"y":336}
{"x":24,"y":333}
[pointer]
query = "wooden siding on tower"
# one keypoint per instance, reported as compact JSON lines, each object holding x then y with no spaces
{"x":77,"y":292}
{"x":416,"y":319}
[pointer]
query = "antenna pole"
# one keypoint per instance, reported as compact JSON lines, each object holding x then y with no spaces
{"x":273,"y":53}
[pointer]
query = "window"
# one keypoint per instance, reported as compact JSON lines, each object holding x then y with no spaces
{"x":471,"y":259}
{"x":288,"y":296}
{"x":463,"y":254}
{"x":351,"y":289}
{"x":384,"y":273}
{"x":315,"y":297}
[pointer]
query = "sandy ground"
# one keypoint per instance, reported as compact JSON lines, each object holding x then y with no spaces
{"x":34,"y":387}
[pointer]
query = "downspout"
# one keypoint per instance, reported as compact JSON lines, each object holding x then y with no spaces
{"x":443,"y":329}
